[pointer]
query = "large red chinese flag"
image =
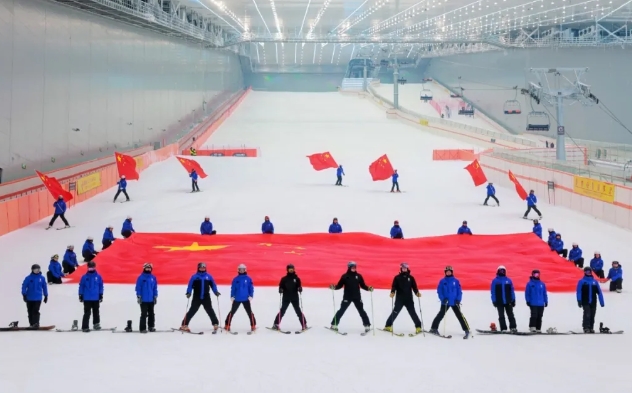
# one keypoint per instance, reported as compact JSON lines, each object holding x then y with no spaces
{"x":126,"y":166}
{"x":381,"y":169}
{"x":322,"y":161}
{"x":521,"y":191}
{"x":477,"y":173}
{"x":53,"y":186}
{"x":189,"y":165}
{"x":321,"y":258}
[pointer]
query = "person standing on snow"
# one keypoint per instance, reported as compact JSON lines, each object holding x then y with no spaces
{"x":60,"y":211}
{"x":352,"y":282}
{"x":491,"y":193}
{"x":34,"y":290}
{"x":403,"y":287}
{"x":122,"y":188}
{"x":147,"y":297}
{"x":91,"y":295}
{"x":531,"y":204}
{"x":537,"y":299}
{"x":290,"y":287}
{"x":395,"y":180}
{"x":194,"y":181}
{"x":450,"y":294}
{"x":588,"y":290}
{"x":339,"y":174}
{"x":201,"y":284}
{"x":504,"y":299}
{"x":242,"y":291}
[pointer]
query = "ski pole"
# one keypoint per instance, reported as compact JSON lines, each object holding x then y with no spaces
{"x":300,"y":297}
{"x":280,"y":307}
{"x":392,"y":310}
{"x":333,"y":299}
{"x":421,"y":316}
{"x":372,"y":314}
{"x":219,"y":312}
{"x":445,"y":320}
{"x":185,"y":313}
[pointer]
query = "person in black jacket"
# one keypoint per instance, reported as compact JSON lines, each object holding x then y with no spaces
{"x":352,"y":281}
{"x":404,"y":285}
{"x":289,"y":288}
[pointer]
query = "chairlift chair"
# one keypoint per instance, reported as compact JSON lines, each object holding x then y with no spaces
{"x":426,"y":94}
{"x":512,"y":107}
{"x":466,"y":110}
{"x":538,"y":121}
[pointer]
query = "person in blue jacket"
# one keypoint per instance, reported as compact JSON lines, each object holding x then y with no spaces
{"x":122,"y":188}
{"x":615,"y":276}
{"x":557,"y":245}
{"x":267,"y":226}
{"x":575,"y":256}
{"x":194,"y":181}
{"x":537,"y":228}
{"x":242,"y":291}
{"x":504,"y":299}
{"x":588,"y":290}
{"x":335,"y":227}
{"x":464,"y":229}
{"x":596,"y":264}
{"x":339,"y":174}
{"x":60,"y":211}
{"x":70,"y":264}
{"x":491,"y":193}
{"x":108,"y":237}
{"x":54,"y":273}
{"x":531,"y":204}
{"x":87,"y":252}
{"x":34,"y":290}
{"x":128,"y":228}
{"x":537,"y":299}
{"x":396,"y":231}
{"x":201,"y":284}
{"x":395,"y":180}
{"x":450,"y":295}
{"x":147,"y":298}
{"x":207,"y":227}
{"x":551,"y":236}
{"x":91,"y":295}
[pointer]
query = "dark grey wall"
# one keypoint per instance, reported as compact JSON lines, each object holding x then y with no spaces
{"x":484,"y":75}
{"x":62,"y":69}
{"x":294,"y":82}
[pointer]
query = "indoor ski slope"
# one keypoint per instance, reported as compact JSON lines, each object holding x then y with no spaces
{"x":238,"y":193}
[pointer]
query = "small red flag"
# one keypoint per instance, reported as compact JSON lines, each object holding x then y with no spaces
{"x":53,"y":186}
{"x":477,"y":173}
{"x":126,"y":166}
{"x":381,"y":169}
{"x":322,"y":161}
{"x":189,"y":165}
{"x":521,"y":191}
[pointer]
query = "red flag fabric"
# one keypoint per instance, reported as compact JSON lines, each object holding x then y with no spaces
{"x":320,"y":258}
{"x":189,"y":165}
{"x":521,"y":191}
{"x":126,"y":166}
{"x":54,"y":187}
{"x":477,"y":173}
{"x":381,"y":169}
{"x":321,"y":161}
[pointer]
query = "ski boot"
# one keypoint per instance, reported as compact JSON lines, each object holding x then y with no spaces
{"x":434,"y":331}
{"x":550,"y":330}
{"x":152,"y":329}
{"x":538,"y":331}
{"x":492,"y":327}
{"x":513,"y":331}
{"x":86,"y":330}
{"x":14,"y":325}
{"x":128,"y":328}
{"x":75,"y":326}
{"x":34,"y":326}
{"x":215,"y":328}
{"x":275,"y":327}
{"x":418,"y":330}
{"x":185,"y":328}
{"x":334,"y":328}
{"x":367,"y":329}
{"x":467,"y":335}
{"x":532,"y":330}
{"x":388,"y":329}
{"x":97,"y":326}
{"x":227,"y":328}
{"x":143,"y":331}
{"x":67,"y":226}
{"x":253,"y":328}
{"x":603,"y":329}
{"x":586,"y":331}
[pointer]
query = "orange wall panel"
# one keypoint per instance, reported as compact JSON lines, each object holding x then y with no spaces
{"x":14,"y":215}
{"x":4,"y":219}
{"x":34,"y":211}
{"x":23,"y":211}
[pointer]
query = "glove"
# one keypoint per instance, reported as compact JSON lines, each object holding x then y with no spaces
{"x":601,"y":305}
{"x":249,"y":298}
{"x":138,"y":299}
{"x":155,"y":300}
{"x":80,"y":298}
{"x":513,"y":303}
{"x":300,"y":289}
{"x":100,"y":298}
{"x":392,"y":294}
{"x":458,"y":304}
{"x":445,"y":302}
{"x":418,"y":294}
{"x":24,"y":297}
{"x":232,"y":299}
{"x":579,"y":304}
{"x":218,"y":294}
{"x":46,"y":299}
{"x":332,"y":286}
{"x":546,"y":304}
{"x":280,"y":290}
{"x":370,"y":289}
{"x":188,"y":295}
{"x":529,"y":305}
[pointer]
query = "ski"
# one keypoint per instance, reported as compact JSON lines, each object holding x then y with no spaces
{"x":81,"y":331}
{"x":336,"y":331}
{"x":392,"y":333}
{"x":186,"y":331}
{"x":489,"y":205}
{"x":531,"y":219}
{"x":597,"y":333}
{"x":250,"y":332}
{"x":468,"y":335}
{"x":21,"y":329}
{"x":59,"y":229}
{"x":302,"y":331}
{"x":278,"y":330}
{"x":416,"y":334}
{"x":439,"y":335}
{"x":124,"y":201}
{"x":505,"y":332}
{"x":148,"y":332}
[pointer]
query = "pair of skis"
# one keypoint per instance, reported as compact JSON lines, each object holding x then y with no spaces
{"x":289,"y":332}
{"x":401,"y":334}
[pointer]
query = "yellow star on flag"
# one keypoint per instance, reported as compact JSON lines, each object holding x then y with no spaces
{"x":266,"y":244}
{"x":293,"y":252}
{"x":193,"y":247}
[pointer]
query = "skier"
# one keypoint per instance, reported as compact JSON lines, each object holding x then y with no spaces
{"x":551,"y":236}
{"x":464,"y":230}
{"x":596,"y":264}
{"x":242,"y":291}
{"x":290,"y":288}
{"x":108,"y":237}
{"x":122,"y":188}
{"x":491,"y":193}
{"x":339,"y":174}
{"x":575,"y":256}
{"x":537,"y":228}
{"x":504,"y":299}
{"x":450,"y":294}
{"x":267,"y":226}
{"x":557,"y":245}
{"x":194,"y":181}
{"x":70,"y":260}
{"x":201,"y":284}
{"x":54,"y":274}
{"x":615,"y":276}
{"x":588,"y":290}
{"x":352,"y":281}
{"x":207,"y":227}
{"x":335,"y":227}
{"x":34,"y":290}
{"x":396,"y":231}
{"x":128,"y":228}
{"x":87,"y":251}
{"x":537,"y":299}
{"x":404,"y":285}
{"x":531,"y":204}
{"x":147,"y":297}
{"x":91,"y":295}
{"x":395,"y":178}
{"x":60,"y":211}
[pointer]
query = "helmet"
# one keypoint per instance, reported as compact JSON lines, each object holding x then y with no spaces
{"x":110,"y":227}
{"x":551,"y":230}
{"x":148,"y":266}
{"x":535,"y":221}
{"x":123,"y":177}
{"x":535,"y":273}
{"x":201,"y":265}
{"x":597,"y":253}
{"x":129,"y":217}
{"x":207,"y":217}
{"x":56,"y":256}
{"x":351,"y":264}
{"x":403,"y":265}
{"x":90,"y":238}
{"x":290,"y":266}
{"x":464,"y":222}
{"x":241,"y":266}
{"x":501,"y":267}
{"x":588,"y":271}
{"x":448,"y":269}
{"x":92,"y":265}
{"x":70,"y":246}
{"x":35,"y":267}
{"x":617,"y":262}
{"x":558,"y":235}
{"x":575,"y":244}
{"x":395,"y":222}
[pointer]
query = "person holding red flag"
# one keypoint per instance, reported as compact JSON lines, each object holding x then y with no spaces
{"x":122,"y":186}
{"x":394,"y":178}
{"x":531,"y":204}
{"x":194,"y":178}
{"x":60,"y":211}
{"x":339,"y":174}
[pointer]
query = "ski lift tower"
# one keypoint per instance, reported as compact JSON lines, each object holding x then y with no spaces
{"x":557,"y":86}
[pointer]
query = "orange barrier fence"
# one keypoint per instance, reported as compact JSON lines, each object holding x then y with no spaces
{"x":37,"y":203}
{"x":453,"y":155}
{"x":225,"y":152}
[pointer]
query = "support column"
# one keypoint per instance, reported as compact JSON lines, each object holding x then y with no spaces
{"x":396,"y":86}
{"x":365,"y":85}
{"x":560,"y":147}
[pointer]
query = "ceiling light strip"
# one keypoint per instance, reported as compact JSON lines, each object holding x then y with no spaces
{"x":276,"y":17}
{"x":379,"y":4}
{"x":318,"y":16}
{"x":263,"y":20}
{"x":222,"y":19}
{"x":304,"y":16}
{"x":351,"y":14}
{"x":396,"y":15}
